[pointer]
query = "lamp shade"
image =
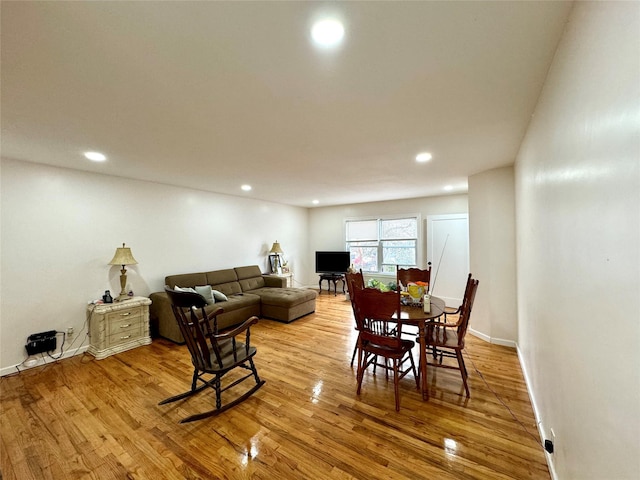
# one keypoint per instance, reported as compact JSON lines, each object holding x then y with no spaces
{"x":275,"y":248}
{"x":123,"y":256}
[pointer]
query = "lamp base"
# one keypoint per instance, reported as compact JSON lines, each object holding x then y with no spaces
{"x":122,"y":297}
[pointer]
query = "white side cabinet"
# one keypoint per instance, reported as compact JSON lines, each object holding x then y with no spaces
{"x":119,"y":326}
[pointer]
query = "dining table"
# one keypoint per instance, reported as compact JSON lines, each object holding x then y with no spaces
{"x":414,"y":314}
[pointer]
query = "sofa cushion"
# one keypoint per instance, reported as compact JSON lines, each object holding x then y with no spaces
{"x":224,"y":281}
{"x":250,"y":277}
{"x":250,"y":284}
{"x":248,"y":272}
{"x":285,"y":297}
{"x":186,"y":280}
{"x":231,"y":288}
{"x":218,"y":277}
{"x":286,"y":304}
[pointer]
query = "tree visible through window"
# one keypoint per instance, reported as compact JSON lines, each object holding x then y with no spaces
{"x":378,"y":245}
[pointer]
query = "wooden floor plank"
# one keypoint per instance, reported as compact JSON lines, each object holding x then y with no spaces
{"x":85,"y":419}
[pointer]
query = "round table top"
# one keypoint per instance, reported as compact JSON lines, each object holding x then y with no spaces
{"x":412,"y":314}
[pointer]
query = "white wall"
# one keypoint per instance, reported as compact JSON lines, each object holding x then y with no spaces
{"x":578,"y":241}
{"x":493,"y":255}
{"x":61,"y":227}
{"x":327,"y":231}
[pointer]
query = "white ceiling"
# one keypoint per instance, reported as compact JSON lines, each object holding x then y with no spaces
{"x":211,"y":95}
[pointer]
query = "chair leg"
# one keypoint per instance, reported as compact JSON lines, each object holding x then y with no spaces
{"x":216,"y":385}
{"x":254,"y":370}
{"x":396,"y":384}
{"x":416,"y":373}
{"x":463,"y":371}
{"x":361,"y":366}
{"x":355,"y":350}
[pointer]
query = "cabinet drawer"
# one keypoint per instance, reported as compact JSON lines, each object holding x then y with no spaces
{"x":117,"y":322}
{"x":133,"y":332}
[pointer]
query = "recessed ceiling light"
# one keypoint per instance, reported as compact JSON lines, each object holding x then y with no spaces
{"x":327,"y":33}
{"x":315,"y":202}
{"x":423,"y":157}
{"x":448,"y":188}
{"x":95,"y":156}
{"x":246,"y":188}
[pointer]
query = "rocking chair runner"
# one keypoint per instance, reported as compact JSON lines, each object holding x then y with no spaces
{"x":212,"y":353}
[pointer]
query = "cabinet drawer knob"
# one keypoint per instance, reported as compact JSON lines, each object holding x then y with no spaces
{"x":125,"y":325}
{"x":125,"y":314}
{"x":125,"y":337}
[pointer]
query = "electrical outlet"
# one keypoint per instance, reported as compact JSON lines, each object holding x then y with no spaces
{"x":69,"y":331}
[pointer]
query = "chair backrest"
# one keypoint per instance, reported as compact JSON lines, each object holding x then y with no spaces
{"x":406,"y":275}
{"x":197,"y":327}
{"x":375,"y":310}
{"x":355,"y":279}
{"x":466,"y":307}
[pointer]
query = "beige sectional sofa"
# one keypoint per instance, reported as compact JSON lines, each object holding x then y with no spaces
{"x":248,"y":293}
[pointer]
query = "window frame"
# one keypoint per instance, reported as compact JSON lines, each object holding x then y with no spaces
{"x":380,"y":242}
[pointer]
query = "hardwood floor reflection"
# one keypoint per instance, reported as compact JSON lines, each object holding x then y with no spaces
{"x":87,"y":419}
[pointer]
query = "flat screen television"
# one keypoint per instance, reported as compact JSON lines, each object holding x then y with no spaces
{"x":332,"y":262}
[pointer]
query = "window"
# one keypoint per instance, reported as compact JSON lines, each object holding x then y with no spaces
{"x":378,"y":245}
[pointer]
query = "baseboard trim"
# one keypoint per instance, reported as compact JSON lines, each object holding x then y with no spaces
{"x":532,"y":398}
{"x":495,"y":341}
{"x":536,"y":414}
{"x":42,"y":360}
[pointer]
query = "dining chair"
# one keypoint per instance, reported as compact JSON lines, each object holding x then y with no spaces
{"x":375,"y":311}
{"x":404,"y":276}
{"x":446,"y":339}
{"x":354,"y":280}
{"x":213,"y":354}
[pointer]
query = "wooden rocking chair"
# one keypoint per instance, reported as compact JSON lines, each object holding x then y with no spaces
{"x":212,"y":353}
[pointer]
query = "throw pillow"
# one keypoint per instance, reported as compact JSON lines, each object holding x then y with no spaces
{"x":206,"y":292}
{"x":219,"y":296}
{"x":186,"y":289}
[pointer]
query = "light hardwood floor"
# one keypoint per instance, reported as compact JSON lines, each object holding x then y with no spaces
{"x":87,"y":419}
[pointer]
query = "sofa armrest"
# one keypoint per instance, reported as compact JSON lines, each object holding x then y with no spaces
{"x":160,"y":312}
{"x":273,"y":281}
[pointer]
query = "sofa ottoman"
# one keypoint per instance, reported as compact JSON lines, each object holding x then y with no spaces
{"x":285,"y":304}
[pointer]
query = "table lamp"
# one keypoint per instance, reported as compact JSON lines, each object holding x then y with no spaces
{"x":123,"y":257}
{"x":275,"y":251}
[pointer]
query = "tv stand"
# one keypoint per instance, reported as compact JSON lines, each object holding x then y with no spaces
{"x":332,"y":277}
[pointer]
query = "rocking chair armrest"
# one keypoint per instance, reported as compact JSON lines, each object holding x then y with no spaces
{"x":239,"y":329}
{"x":210,"y":316}
{"x":216,"y":312}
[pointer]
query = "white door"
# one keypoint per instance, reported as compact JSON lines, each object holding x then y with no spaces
{"x":448,"y":252}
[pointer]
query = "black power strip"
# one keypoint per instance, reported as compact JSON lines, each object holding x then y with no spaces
{"x":41,"y":342}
